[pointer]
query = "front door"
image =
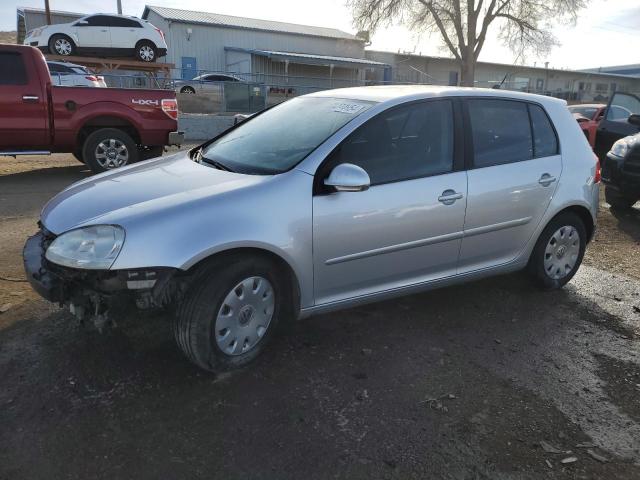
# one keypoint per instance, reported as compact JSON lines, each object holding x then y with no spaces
{"x":94,"y":32}
{"x":615,"y":125}
{"x":23,"y":104}
{"x":406,"y":228}
{"x":512,"y":180}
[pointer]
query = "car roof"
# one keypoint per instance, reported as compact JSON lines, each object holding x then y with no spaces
{"x":398,"y":93}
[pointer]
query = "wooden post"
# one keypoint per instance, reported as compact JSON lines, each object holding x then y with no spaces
{"x":47,"y":11}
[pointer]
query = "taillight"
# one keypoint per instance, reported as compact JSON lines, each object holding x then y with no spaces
{"x":91,"y":78}
{"x":159,"y":31}
{"x":598,"y":176}
{"x":170,"y":107}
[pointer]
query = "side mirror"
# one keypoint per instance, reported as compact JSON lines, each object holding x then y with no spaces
{"x":634,"y":119}
{"x":348,"y":177}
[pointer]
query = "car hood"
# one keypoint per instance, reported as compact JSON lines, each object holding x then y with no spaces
{"x":139,"y":188}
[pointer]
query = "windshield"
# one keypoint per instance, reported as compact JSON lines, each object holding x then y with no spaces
{"x":276,"y":140}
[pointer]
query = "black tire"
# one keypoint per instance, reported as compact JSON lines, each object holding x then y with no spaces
{"x":536,"y":267}
{"x":77,"y":153}
{"x":147,"y":153}
{"x":188,"y":90}
{"x":57,"y":49}
{"x":618,"y":199}
{"x":195,"y":319}
{"x":146,"y":51}
{"x":105,"y":135}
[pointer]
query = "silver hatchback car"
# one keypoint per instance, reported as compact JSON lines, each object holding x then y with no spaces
{"x":323,"y":202}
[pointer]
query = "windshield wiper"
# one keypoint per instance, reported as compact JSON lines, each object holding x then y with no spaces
{"x":199,"y":158}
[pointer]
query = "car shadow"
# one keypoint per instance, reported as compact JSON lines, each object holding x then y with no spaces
{"x":628,"y":221}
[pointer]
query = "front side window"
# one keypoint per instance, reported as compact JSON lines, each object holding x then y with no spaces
{"x":501,"y":132}
{"x":406,"y":142}
{"x":278,"y":139}
{"x":12,"y":70}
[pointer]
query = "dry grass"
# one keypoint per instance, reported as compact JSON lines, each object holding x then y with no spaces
{"x":8,"y":37}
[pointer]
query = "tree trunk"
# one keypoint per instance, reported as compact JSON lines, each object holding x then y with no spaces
{"x":468,"y":71}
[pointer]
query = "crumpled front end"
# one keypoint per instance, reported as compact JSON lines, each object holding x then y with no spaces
{"x":96,"y":294}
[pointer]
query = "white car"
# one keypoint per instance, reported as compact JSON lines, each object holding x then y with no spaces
{"x":102,"y":34}
{"x":72,"y":75}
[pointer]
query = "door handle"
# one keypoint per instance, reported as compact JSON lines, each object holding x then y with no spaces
{"x":103,"y":30}
{"x":546,"y":180}
{"x":449,"y":197}
{"x":30,"y":98}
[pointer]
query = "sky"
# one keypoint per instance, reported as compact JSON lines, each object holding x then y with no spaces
{"x":607,"y":31}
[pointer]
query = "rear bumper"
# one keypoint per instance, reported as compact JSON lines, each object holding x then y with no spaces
{"x":162,"y":52}
{"x":176,"y":138}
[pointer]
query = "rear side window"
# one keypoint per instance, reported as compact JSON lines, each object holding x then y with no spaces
{"x":501,"y":132}
{"x":545,"y":142}
{"x":123,"y":22}
{"x":12,"y":70}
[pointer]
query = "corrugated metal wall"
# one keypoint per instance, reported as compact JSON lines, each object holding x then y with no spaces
{"x":206,"y":43}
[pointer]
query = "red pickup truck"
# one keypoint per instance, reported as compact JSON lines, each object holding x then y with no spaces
{"x":103,"y":127}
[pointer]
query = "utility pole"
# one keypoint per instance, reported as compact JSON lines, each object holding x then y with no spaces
{"x":48,"y":11}
{"x":119,"y":7}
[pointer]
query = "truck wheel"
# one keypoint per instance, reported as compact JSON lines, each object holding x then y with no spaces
{"x":617,"y":199}
{"x":558,"y":252}
{"x":109,"y":148}
{"x":231,"y":312}
{"x":61,"y":45}
{"x":146,"y":51}
{"x":146,"y":153}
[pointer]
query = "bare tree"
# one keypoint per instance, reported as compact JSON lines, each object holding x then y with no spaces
{"x":522,"y":25}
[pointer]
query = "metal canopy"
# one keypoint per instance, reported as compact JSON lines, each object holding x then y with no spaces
{"x":310,"y":59}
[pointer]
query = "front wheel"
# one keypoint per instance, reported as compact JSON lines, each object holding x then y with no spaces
{"x":231,"y":313}
{"x":109,"y":148}
{"x":558,"y":252}
{"x":61,"y":45}
{"x":188,"y":90}
{"x":618,"y":200}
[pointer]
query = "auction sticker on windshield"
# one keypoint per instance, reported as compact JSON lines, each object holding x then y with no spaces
{"x":350,"y":108}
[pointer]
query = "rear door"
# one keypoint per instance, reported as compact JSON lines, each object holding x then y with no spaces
{"x":125,"y":32}
{"x":614,"y":125}
{"x":515,"y":167}
{"x":23,"y":115}
{"x":95,"y":33}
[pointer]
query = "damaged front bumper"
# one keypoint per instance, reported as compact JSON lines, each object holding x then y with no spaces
{"x":95,"y":293}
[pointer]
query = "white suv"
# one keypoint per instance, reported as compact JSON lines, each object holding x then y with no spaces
{"x":113,"y":35}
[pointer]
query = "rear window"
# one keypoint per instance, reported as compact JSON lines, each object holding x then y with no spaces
{"x":12,"y":71}
{"x":501,"y":132}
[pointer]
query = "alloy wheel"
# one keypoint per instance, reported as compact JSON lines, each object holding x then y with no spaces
{"x":62,"y":46}
{"x":146,"y":53}
{"x":111,"y":153}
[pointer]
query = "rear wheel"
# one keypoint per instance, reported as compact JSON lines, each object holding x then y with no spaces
{"x":558,"y":252}
{"x":618,"y":199}
{"x":61,"y":45}
{"x":231,"y":313}
{"x":188,"y":90}
{"x":109,"y":148}
{"x":146,"y":51}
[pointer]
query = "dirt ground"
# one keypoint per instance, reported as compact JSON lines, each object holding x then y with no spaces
{"x":489,"y":380}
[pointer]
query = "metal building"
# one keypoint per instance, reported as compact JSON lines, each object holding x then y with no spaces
{"x":261,"y":50}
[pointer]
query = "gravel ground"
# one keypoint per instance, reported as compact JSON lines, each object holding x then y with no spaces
{"x":491,"y":379}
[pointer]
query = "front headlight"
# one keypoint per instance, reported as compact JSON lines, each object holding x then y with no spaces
{"x":622,"y":146}
{"x":95,"y":247}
